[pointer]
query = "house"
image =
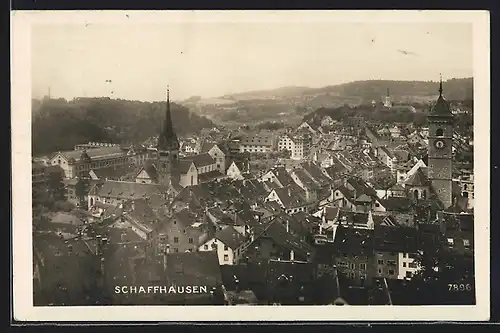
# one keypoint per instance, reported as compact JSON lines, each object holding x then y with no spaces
{"x":220,"y":155}
{"x":459,"y":233}
{"x":395,"y":131}
{"x":257,"y":143}
{"x":118,"y":192}
{"x":385,"y":156}
{"x":355,"y":220}
{"x":298,"y":145}
{"x":235,"y":171}
{"x":75,"y":162}
{"x":273,"y":241}
{"x":327,"y":121}
{"x":183,"y":232}
{"x":147,"y":174}
{"x":228,"y":243}
{"x":307,"y":127}
{"x":291,"y":199}
{"x":290,"y":282}
{"x":396,"y":252}
{"x":311,"y":188}
{"x":192,"y":269}
{"x":354,"y":254}
{"x":278,"y":176}
{"x":401,"y":209}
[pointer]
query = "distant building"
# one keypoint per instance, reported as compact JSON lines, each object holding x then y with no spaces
{"x":257,"y":143}
{"x":387,"y":100}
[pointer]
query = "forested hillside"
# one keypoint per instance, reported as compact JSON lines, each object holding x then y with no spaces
{"x":58,"y":124}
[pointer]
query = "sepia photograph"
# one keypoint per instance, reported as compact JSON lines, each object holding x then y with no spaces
{"x":308,"y":165}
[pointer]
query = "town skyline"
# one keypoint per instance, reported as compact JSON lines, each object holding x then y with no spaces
{"x":103,"y":61}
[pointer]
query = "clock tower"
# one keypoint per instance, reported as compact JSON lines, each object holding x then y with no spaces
{"x":440,"y":121}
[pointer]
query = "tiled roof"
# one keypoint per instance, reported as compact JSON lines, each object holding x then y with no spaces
{"x":305,"y":179}
{"x":193,"y":269}
{"x":113,"y":172}
{"x":354,"y":241}
{"x":417,"y":179}
{"x":201,"y":160}
{"x":94,"y":153}
{"x":290,"y":197}
{"x":209,"y":176}
{"x":128,"y":190}
{"x":150,"y":169}
{"x":397,"y":204}
{"x":283,"y":176}
{"x":278,"y":233}
{"x":230,"y":237}
{"x":396,"y":239}
{"x":316,"y":173}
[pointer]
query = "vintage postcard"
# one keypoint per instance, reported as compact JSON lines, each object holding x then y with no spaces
{"x":310,"y":165}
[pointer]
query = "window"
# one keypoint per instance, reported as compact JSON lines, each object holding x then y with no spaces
{"x":226,"y":257}
{"x":380,"y":262}
{"x":450,"y":242}
{"x":362,"y":266}
{"x":190,"y":240}
{"x":176,"y":239}
{"x":409,"y":274}
{"x":352,"y":275}
{"x":175,"y":222}
{"x":391,"y":262}
{"x":391,"y":272}
{"x":353,"y":266}
{"x":176,"y":250}
{"x":404,"y":264}
{"x":380,"y":270}
{"x":405,"y":255}
{"x":466,"y":243}
{"x":226,"y":248}
{"x":439,"y":132}
{"x":205,"y":247}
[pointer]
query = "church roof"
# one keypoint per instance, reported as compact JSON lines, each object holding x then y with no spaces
{"x":417,"y":179}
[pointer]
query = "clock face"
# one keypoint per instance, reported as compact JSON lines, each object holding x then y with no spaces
{"x":439,"y":144}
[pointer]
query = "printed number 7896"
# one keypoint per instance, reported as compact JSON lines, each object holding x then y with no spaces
{"x":459,"y":287}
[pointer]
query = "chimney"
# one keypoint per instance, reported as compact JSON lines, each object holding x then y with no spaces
{"x":320,"y":228}
{"x":165,"y":255}
{"x":287,"y":226}
{"x":292,"y":256}
{"x":289,"y":192}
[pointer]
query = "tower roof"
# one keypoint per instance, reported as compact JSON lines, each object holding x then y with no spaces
{"x":168,"y":139}
{"x":441,"y":108}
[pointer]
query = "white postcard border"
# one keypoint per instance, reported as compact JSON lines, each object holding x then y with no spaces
{"x":21,"y":23}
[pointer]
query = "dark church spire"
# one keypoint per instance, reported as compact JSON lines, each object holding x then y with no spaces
{"x":168,"y":139}
{"x":440,"y":85}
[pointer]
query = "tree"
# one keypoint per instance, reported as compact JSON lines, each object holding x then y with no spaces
{"x":55,"y":186}
{"x":81,"y":189}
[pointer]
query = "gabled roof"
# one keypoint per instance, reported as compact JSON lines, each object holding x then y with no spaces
{"x":277,"y":232}
{"x":230,"y":237}
{"x":396,"y":239}
{"x":417,"y":179}
{"x":397,"y":204}
{"x":201,"y":160}
{"x":290,"y":197}
{"x":354,"y":241}
{"x":128,"y":190}
{"x":283,"y":176}
{"x":193,"y":269}
{"x":305,"y":179}
{"x":150,"y":170}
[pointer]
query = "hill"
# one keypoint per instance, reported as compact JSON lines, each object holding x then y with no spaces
{"x":290,"y":102}
{"x":58,"y":124}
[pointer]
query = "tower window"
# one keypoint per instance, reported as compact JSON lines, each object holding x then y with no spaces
{"x":439,"y":132}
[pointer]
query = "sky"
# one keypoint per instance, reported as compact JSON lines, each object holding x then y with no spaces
{"x":213,"y":59}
